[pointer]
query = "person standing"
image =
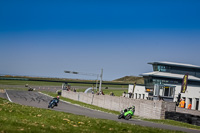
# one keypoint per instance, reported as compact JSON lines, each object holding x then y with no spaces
{"x":189,"y":106}
{"x":124,"y":94}
{"x":182,"y":103}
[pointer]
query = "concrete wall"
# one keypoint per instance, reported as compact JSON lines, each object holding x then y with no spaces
{"x":183,"y":117}
{"x":144,"y":108}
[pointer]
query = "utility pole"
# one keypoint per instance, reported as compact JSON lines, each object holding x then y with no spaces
{"x":101,"y":75}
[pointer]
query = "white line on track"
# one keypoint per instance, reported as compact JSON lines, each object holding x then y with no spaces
{"x":8,"y":97}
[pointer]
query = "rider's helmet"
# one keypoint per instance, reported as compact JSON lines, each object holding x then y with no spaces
{"x":58,"y":97}
{"x":133,"y":107}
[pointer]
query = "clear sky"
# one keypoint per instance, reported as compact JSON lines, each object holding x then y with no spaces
{"x":46,"y":37}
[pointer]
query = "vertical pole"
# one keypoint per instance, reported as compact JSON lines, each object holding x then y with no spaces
{"x":97,"y":82}
{"x":100,"y":80}
{"x":193,"y":103}
{"x":199,"y":104}
{"x":187,"y":101}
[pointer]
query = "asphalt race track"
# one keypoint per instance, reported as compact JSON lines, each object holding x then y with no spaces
{"x":40,"y":100}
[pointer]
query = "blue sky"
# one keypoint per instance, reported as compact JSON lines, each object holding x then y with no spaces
{"x":44,"y":38}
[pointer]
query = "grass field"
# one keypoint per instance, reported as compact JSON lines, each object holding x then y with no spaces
{"x":30,"y":83}
{"x":43,"y":83}
{"x":118,"y":91}
{"x":18,"y":118}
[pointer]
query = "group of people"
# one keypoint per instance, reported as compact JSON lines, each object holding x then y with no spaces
{"x":73,"y":89}
{"x":182,"y":104}
{"x":100,"y":93}
{"x":112,"y":94}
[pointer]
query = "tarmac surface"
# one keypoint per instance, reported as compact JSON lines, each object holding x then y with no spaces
{"x":39,"y":100}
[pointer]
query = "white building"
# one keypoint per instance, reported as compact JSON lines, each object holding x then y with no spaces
{"x":169,"y":76}
{"x":139,"y":92}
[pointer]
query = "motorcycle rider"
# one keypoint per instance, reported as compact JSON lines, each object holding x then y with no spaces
{"x":127,"y":109}
{"x":133,"y":108}
{"x":127,"y":113}
{"x":56,"y":100}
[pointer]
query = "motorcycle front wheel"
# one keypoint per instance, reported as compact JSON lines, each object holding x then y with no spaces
{"x":120,"y":116}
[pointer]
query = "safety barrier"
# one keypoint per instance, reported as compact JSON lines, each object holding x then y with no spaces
{"x":144,"y":108}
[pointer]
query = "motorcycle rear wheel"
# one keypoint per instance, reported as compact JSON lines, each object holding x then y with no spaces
{"x":128,"y":117}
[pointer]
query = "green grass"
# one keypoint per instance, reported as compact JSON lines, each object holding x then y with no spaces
{"x":103,"y":85}
{"x":16,"y":118}
{"x":43,"y":83}
{"x":117,"y":92}
{"x":175,"y":123}
{"x":30,"y":83}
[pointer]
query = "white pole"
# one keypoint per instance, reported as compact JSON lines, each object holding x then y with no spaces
{"x":97,"y":82}
{"x":101,"y":79}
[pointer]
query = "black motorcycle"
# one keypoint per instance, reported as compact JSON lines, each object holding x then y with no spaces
{"x":53,"y":103}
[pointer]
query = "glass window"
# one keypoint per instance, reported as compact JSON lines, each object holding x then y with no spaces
{"x":158,"y":67}
{"x":166,"y":92}
{"x":198,"y":74}
{"x":162,"y":68}
{"x":171,"y":91}
{"x":155,"y":68}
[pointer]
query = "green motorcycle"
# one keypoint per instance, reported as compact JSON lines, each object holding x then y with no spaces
{"x":127,"y":113}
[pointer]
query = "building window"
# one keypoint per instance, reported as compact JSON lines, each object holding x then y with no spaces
{"x":139,"y":96}
{"x":171,"y":91}
{"x":160,"y":68}
{"x":166,"y":92}
{"x":197,"y":74}
{"x":155,"y":68}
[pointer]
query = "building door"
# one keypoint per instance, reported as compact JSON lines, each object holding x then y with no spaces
{"x":166,"y":91}
{"x":197,"y":104}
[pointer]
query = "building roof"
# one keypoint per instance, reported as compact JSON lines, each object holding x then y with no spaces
{"x":175,"y":64}
{"x":170,"y":75}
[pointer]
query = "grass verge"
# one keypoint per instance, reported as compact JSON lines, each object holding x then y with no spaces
{"x":117,"y":92}
{"x":30,"y":83}
{"x":174,"y":123}
{"x":16,"y":118}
